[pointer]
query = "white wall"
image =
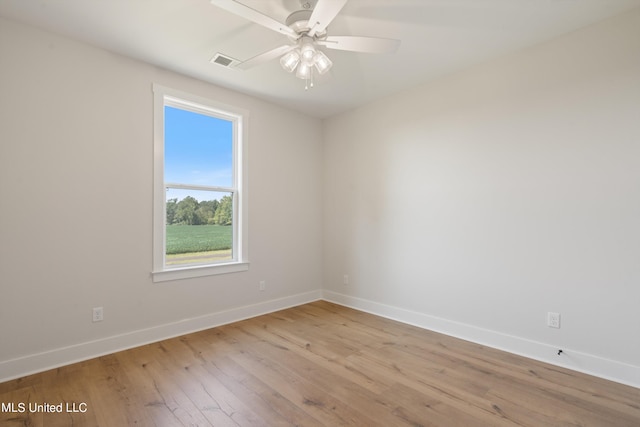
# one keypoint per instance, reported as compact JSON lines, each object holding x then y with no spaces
{"x":76,"y":189}
{"x":477,"y":203}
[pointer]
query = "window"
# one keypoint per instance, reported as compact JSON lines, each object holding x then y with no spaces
{"x":200,"y":225}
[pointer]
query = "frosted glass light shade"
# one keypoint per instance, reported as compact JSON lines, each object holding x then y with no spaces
{"x":290,"y":60}
{"x":322,"y":62}
{"x":304,"y":70}
{"x":307,"y":51}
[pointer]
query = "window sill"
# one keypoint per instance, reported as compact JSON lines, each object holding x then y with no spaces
{"x":198,"y":271}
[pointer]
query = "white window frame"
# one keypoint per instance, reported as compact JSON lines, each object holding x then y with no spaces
{"x":164,"y":96}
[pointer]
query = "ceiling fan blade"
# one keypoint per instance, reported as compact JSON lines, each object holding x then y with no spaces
{"x":264,"y":57}
{"x":254,"y":16}
{"x":323,"y":14}
{"x":361,"y":44}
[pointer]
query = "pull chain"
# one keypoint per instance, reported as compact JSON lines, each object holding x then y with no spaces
{"x":308,"y":82}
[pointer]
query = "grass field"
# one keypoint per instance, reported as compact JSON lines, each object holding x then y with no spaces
{"x":186,"y":239}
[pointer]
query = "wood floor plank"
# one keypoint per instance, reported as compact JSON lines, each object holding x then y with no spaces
{"x":208,"y":394}
{"x":423,"y":410}
{"x":266,"y":402}
{"x":319,"y":364}
{"x":134,"y":362}
{"x":304,"y":363}
{"x":19,"y":415}
{"x":320,"y":353}
{"x":272,"y":364}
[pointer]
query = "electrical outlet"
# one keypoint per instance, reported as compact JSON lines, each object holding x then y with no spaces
{"x":98,"y":314}
{"x":345,"y":279}
{"x":262,"y":285}
{"x":553,"y":320}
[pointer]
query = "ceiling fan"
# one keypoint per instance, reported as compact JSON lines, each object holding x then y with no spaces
{"x":306,"y":30}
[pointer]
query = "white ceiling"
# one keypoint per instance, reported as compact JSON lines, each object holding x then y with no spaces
{"x":438,"y":37}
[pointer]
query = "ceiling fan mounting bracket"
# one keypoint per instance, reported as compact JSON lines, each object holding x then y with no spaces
{"x":298,"y":21}
{"x":308,"y":4}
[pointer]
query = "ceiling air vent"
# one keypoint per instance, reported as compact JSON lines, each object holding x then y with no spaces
{"x":224,"y":60}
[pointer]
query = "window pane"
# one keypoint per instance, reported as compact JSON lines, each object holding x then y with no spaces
{"x":198,"y":148}
{"x":199,"y":227}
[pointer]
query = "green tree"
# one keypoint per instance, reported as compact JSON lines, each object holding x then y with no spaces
{"x":186,"y":211}
{"x":224,"y":213}
{"x":172,"y":208}
{"x":206,"y":211}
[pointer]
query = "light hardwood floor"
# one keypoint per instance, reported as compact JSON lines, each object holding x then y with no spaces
{"x":318,"y":364}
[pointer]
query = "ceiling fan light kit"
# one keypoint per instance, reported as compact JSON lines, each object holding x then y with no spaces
{"x":304,"y":59}
{"x":307,"y":29}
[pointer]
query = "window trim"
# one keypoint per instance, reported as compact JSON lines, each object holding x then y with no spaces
{"x":166,"y":96}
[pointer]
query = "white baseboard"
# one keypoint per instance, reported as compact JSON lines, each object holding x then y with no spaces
{"x":586,"y":363}
{"x":34,"y":363}
{"x":581,"y":362}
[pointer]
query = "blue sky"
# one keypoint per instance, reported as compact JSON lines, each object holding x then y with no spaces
{"x":198,"y":150}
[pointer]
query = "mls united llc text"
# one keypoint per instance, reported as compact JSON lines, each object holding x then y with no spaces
{"x":45,"y":407}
